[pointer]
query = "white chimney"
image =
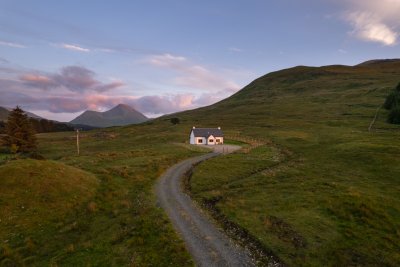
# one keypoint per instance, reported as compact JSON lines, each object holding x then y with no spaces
{"x":194,"y":127}
{"x":219,"y":128}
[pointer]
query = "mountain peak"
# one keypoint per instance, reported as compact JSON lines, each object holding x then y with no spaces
{"x":119,"y":115}
{"x":122,"y":106}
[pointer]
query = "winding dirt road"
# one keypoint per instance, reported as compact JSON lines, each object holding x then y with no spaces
{"x":208,"y":245}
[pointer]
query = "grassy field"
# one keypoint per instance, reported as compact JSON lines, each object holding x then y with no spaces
{"x":317,"y":189}
{"x":328,"y":192}
{"x":117,"y":224}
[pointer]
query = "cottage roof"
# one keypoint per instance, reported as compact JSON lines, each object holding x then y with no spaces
{"x":206,"y":132}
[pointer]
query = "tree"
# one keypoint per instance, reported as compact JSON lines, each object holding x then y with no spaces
{"x":392,"y":103}
{"x":391,"y":100}
{"x":394,"y":116}
{"x":20,"y":135}
{"x":175,"y":121}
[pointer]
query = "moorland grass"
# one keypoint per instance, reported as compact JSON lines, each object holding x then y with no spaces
{"x":334,"y":199}
{"x":119,"y":224}
{"x":320,"y":191}
{"x":33,"y":194}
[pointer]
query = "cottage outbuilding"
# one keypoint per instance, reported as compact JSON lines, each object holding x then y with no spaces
{"x":206,"y":136}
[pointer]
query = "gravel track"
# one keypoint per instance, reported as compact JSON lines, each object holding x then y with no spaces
{"x":208,"y":245}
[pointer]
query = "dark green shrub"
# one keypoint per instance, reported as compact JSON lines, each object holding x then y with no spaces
{"x":392,"y":100}
{"x":175,"y":121}
{"x":392,"y":103}
{"x":394,"y":115}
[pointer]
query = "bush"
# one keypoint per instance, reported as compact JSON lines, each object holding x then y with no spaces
{"x":175,"y":121}
{"x":394,"y":115}
{"x":392,"y":100}
{"x":392,"y":103}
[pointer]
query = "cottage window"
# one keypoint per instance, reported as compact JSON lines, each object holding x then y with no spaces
{"x":211,"y":140}
{"x":218,"y":140}
{"x":200,"y":141}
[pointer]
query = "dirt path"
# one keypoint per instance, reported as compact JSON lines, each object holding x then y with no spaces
{"x":208,"y":245}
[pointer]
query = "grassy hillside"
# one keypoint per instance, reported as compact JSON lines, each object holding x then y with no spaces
{"x":315,"y":187}
{"x":119,"y":224}
{"x":33,"y":195}
{"x":327,"y":192}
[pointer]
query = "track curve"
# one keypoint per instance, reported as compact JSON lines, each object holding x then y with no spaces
{"x":208,"y":245}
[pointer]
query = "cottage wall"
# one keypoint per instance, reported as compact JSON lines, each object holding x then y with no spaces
{"x":192,"y":138}
{"x":211,"y":140}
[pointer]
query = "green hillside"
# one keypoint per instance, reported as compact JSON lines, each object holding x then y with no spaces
{"x":314,"y":186}
{"x":120,"y":223}
{"x":34,"y":196}
{"x":326,"y":192}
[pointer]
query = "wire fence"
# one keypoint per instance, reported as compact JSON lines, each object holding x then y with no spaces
{"x":251,"y":141}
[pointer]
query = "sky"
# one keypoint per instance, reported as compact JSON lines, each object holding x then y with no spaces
{"x":60,"y":58}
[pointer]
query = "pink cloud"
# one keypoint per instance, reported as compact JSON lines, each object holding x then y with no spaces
{"x":37,"y":80}
{"x":153,"y":104}
{"x":374,"y":21}
{"x":191,"y":75}
{"x":73,"y":78}
{"x":74,"y":89}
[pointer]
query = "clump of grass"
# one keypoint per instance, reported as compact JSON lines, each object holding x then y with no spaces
{"x":92,"y":207}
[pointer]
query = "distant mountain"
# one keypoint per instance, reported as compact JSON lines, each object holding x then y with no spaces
{"x":5,"y":111}
{"x":117,"y":116}
{"x":42,"y":125}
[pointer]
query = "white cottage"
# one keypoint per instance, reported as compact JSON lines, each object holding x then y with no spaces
{"x":206,"y":136}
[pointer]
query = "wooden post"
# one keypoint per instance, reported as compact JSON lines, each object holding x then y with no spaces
{"x":77,"y":140}
{"x":374,"y":119}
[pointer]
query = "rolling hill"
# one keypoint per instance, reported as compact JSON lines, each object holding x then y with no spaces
{"x":35,"y":194}
{"x":318,"y":189}
{"x":313,"y":186}
{"x":117,"y":116}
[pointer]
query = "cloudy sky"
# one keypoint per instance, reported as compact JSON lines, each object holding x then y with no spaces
{"x":59,"y":58}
